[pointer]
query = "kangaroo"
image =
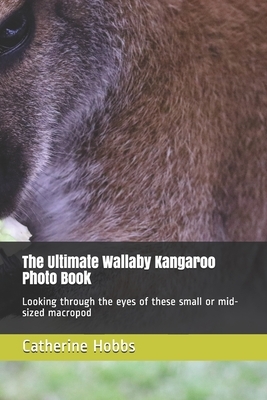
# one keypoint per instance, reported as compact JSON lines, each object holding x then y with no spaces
{"x":134,"y":120}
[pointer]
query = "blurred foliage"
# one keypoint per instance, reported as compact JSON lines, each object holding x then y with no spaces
{"x":133,"y":380}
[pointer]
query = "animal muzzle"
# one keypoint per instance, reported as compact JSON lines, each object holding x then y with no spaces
{"x":12,"y":176}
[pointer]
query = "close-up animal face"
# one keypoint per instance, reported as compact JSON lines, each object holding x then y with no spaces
{"x":56,"y":64}
{"x":134,"y":120}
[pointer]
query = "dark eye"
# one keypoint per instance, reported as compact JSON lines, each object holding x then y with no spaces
{"x":15,"y":31}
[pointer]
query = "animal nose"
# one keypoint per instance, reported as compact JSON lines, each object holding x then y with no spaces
{"x":11,"y":178}
{"x":3,"y":167}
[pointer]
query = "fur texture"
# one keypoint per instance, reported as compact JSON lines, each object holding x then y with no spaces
{"x":137,"y":120}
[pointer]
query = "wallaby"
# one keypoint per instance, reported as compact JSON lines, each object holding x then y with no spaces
{"x":134,"y":120}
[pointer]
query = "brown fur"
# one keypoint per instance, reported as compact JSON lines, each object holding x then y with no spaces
{"x":138,"y":120}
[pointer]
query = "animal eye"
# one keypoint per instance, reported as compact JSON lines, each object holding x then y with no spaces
{"x":14,"y":31}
